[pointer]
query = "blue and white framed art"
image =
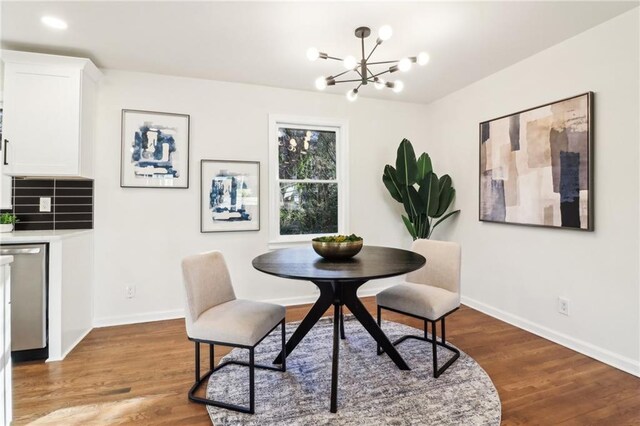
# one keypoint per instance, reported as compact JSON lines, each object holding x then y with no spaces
{"x":229,"y":195}
{"x":155,"y":150}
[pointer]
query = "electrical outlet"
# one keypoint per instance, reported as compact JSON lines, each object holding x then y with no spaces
{"x":563,"y":306}
{"x":45,"y":204}
{"x":130,"y":291}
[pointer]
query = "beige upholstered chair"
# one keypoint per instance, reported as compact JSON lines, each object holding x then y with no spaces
{"x":215,"y":317}
{"x":430,"y":293}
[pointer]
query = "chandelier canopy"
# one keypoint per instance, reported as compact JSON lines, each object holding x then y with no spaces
{"x":363,"y":67}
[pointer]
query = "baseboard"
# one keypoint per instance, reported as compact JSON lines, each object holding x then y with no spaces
{"x":138,"y":318}
{"x":74,"y":344}
{"x":625,"y":364}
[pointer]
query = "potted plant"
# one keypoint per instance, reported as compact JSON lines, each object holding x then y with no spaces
{"x":7,"y":220}
{"x":427,"y":203}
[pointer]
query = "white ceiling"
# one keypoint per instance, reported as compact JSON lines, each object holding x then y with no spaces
{"x":266,"y":42}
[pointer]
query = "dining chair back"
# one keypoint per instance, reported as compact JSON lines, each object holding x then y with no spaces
{"x":443,"y":264}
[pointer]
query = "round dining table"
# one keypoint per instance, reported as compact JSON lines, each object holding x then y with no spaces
{"x":338,"y":282}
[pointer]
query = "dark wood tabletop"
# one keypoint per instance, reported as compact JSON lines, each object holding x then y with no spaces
{"x":372,"y":262}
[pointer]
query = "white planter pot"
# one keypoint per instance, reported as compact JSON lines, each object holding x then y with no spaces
{"x":6,"y":227}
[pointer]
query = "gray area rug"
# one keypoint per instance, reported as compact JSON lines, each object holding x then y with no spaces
{"x":371,"y":389}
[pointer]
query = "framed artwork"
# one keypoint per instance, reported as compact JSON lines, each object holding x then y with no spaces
{"x":155,"y":150}
{"x":536,"y":166}
{"x":230,"y":195}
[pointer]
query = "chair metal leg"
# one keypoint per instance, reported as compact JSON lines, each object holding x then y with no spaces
{"x":434,"y":347}
{"x":284,"y":347}
{"x":252,"y":381}
{"x":211,"y":356}
{"x":342,"y":336}
{"x":378,"y":348}
{"x":212,"y":369}
{"x":197,"y":361}
{"x":433,"y":340}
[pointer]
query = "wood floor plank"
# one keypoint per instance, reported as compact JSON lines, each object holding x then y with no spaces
{"x":140,"y":374}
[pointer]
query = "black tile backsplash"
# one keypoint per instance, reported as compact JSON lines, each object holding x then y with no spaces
{"x":71,"y":203}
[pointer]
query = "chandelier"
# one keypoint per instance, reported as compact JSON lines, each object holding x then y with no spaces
{"x":362,"y":68}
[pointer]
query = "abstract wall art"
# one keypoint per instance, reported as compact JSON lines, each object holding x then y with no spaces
{"x":536,"y":166}
{"x":155,"y":150}
{"x":230,"y":195}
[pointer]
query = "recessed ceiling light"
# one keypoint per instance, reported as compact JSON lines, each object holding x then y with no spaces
{"x":53,"y":22}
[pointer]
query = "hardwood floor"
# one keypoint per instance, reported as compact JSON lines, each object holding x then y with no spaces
{"x":140,"y":374}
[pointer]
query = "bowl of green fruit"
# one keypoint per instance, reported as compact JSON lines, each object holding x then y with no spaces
{"x":337,"y":247}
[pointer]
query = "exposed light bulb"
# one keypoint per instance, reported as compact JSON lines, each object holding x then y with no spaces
{"x":385,"y":32}
{"x":398,"y":86}
{"x":423,"y":58}
{"x":349,"y":62}
{"x":321,"y":83}
{"x":379,"y":84}
{"x":53,"y":22}
{"x":313,"y":53}
{"x":404,"y":64}
{"x":352,"y":95}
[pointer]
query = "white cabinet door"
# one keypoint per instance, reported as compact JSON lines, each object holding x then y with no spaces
{"x":41,"y":120}
{"x":5,"y":181}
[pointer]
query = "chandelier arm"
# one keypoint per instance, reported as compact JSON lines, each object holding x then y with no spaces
{"x":342,"y":73}
{"x":371,"y":53}
{"x":348,"y":81}
{"x":380,"y":73}
{"x":334,"y":58}
{"x":384,"y":62}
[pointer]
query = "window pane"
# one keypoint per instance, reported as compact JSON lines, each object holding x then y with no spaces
{"x":308,"y":208}
{"x":306,"y":154}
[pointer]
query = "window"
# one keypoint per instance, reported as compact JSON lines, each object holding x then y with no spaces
{"x":307,"y":179}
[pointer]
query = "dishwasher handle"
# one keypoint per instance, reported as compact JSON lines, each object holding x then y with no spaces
{"x":12,"y":251}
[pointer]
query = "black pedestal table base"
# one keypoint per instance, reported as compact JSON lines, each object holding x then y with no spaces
{"x":338,"y":282}
{"x":340,"y":294}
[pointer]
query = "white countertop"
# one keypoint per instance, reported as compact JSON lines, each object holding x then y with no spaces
{"x":39,"y":236}
{"x":5,"y":260}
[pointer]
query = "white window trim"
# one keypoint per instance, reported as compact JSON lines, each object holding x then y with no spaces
{"x":341,"y":126}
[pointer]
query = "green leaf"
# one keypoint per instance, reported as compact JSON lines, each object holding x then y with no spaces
{"x":419,"y":204}
{"x":429,"y":192}
{"x":406,"y":165}
{"x":424,"y":166}
{"x":446,"y":195}
{"x":443,"y":218}
{"x":390,"y":180}
{"x":410,"y":227}
{"x":409,"y":206}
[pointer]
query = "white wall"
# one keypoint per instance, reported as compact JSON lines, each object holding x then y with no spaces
{"x":514,"y":273}
{"x":517,"y":273}
{"x":142,"y":234}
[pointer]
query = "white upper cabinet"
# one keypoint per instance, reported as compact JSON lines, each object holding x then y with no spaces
{"x":49,"y":115}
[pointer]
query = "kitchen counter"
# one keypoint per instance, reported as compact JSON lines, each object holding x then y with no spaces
{"x":70,"y":284}
{"x":40,"y":236}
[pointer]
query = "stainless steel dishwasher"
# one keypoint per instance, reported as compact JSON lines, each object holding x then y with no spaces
{"x":29,"y":331}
